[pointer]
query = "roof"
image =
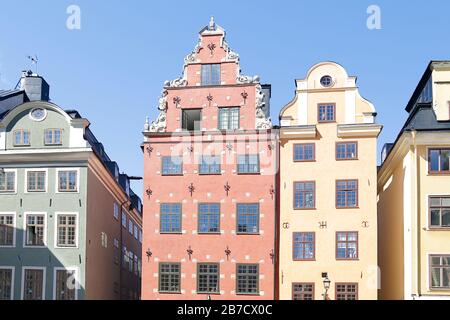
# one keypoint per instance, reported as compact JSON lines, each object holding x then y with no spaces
{"x":426,"y":75}
{"x":8,"y":93}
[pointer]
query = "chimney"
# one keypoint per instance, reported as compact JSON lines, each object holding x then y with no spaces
{"x":35,"y":87}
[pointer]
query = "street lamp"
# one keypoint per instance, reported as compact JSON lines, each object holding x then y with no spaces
{"x":326,"y":285}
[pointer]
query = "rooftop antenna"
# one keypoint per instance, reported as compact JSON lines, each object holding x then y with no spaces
{"x":34,"y":60}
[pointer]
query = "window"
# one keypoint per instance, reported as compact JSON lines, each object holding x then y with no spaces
{"x":247,"y":278}
{"x":21,"y":137}
{"x":304,"y":195}
{"x":326,"y":113}
{"x":33,"y":284}
{"x":439,"y":212}
{"x":53,"y":137}
{"x":440,"y":271}
{"x":248,"y":218}
{"x":346,"y":291}
{"x":303,"y":291}
{"x":228,"y":118}
{"x":35,"y":230}
{"x":326,"y":81}
{"x":7,"y":181}
{"x":67,"y":230}
{"x":67,"y":181}
{"x":303,"y":247}
{"x":136,"y":235}
{"x":6,"y":230}
{"x":130,"y":261}
{"x":170,"y":218}
{"x":172,"y":165}
{"x":169,"y":277}
{"x":304,"y":152}
{"x":116,"y":251}
{"x":439,"y":160}
{"x":139,"y":268}
{"x":36,"y":181}
{"x":65,"y":285}
{"x":346,"y":245}
{"x":209,"y":165}
{"x":209,"y":218}
{"x":6,"y":278}
{"x":124,"y":219}
{"x":210,"y":74}
{"x":130,"y":226}
{"x":192,"y":119}
{"x":125,"y":257}
{"x":140,"y":235}
{"x":208,"y":278}
{"x":248,"y":164}
{"x":346,"y":150}
{"x":346,"y":193}
{"x":116,"y":211}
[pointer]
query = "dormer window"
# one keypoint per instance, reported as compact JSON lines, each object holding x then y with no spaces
{"x":326,"y":81}
{"x":21,"y":138}
{"x":53,"y":137}
{"x":210,"y":74}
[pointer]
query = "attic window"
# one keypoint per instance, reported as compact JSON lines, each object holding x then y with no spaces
{"x":191,"y":119}
{"x":326,"y":81}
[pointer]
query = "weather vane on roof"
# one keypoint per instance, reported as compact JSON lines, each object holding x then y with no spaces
{"x":34,"y":60}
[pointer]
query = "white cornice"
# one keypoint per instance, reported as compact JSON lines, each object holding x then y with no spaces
{"x":303,"y":132}
{"x":358,"y":130}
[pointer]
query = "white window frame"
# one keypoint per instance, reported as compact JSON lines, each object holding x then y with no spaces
{"x":14,"y":226}
{"x":56,"y":246}
{"x":25,"y":216}
{"x":77,"y":280}
{"x":26,"y":180}
{"x":44,"y":279}
{"x":13,"y":270}
{"x":130,"y":225}
{"x":136,"y":231}
{"x":15,"y":183}
{"x":124,"y":214}
{"x":57,"y":170}
{"x":116,"y":210}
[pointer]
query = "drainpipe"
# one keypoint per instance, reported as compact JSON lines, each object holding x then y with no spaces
{"x":418,"y":216}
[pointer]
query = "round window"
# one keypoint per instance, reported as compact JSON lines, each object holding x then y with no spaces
{"x":326,"y":81}
{"x":38,"y":114}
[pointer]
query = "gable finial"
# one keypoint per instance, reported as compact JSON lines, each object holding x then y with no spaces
{"x":212,"y":24}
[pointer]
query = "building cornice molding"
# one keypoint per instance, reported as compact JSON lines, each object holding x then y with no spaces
{"x":45,"y":155}
{"x":302,"y":132}
{"x":369,"y":130}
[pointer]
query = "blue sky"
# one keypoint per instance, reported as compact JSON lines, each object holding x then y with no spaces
{"x":113,"y":68}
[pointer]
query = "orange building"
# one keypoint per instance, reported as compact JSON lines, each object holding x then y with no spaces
{"x":209,"y":180}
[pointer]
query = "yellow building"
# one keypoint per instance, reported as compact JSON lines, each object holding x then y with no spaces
{"x":328,"y":213}
{"x":414,"y":196}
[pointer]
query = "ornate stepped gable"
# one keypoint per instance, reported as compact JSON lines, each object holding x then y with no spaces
{"x":262,"y":120}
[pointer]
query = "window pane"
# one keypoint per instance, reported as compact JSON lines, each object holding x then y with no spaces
{"x":435,"y":217}
{"x":434,"y":160}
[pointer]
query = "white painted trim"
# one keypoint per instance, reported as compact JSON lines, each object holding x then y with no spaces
{"x":2,"y":138}
{"x":25,"y":187}
{"x":57,"y":170}
{"x":3,"y":193}
{"x":12,"y":278}
{"x":14,"y":226}
{"x":44,"y":279}
{"x":407,"y":225}
{"x":45,"y":151}
{"x":77,"y":280}
{"x":302,"y":109}
{"x":25,"y":215}
{"x":77,"y":229}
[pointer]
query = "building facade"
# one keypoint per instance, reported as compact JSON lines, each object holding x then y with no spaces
{"x":65,"y":210}
{"x":209,"y":180}
{"x":414,"y":196}
{"x":328,"y":213}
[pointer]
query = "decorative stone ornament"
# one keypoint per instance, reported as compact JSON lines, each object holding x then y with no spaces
{"x":262,"y":121}
{"x":160,"y":124}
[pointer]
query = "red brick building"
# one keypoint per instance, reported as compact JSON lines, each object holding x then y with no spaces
{"x":209,"y":180}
